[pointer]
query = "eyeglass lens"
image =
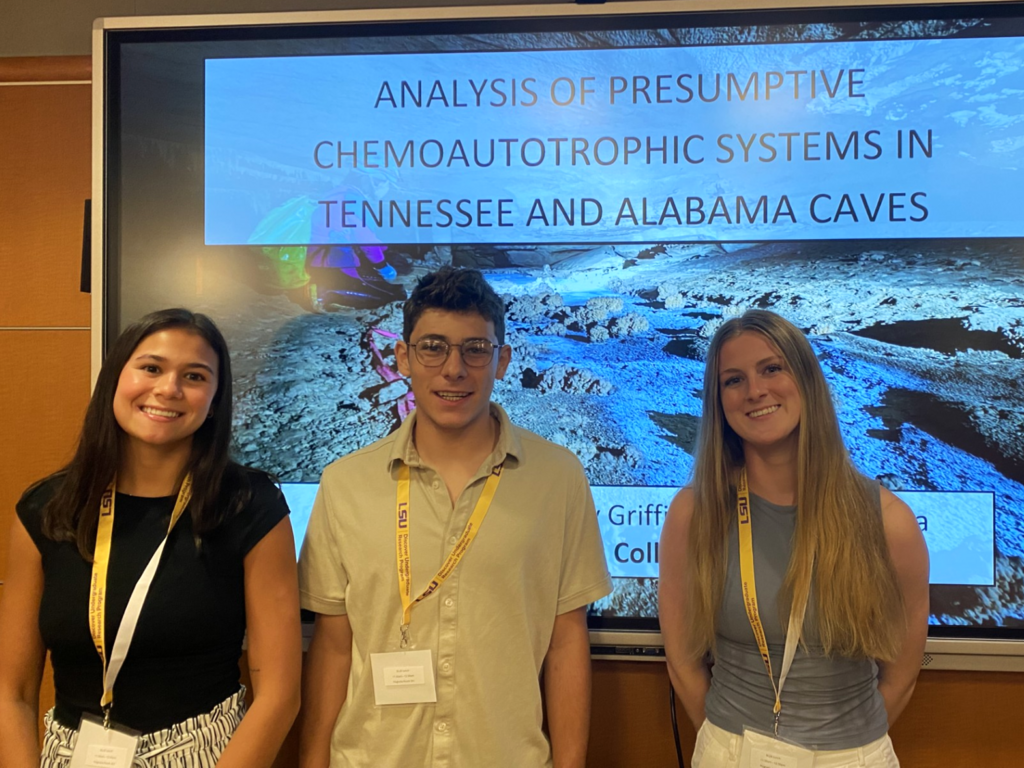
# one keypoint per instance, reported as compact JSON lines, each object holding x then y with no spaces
{"x":436,"y":351}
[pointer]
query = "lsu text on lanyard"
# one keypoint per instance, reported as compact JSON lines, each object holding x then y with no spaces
{"x":796,"y":614}
{"x":404,"y":555}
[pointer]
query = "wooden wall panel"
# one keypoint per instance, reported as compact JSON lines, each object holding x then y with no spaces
{"x":44,"y":391}
{"x":40,"y":69}
{"x":45,"y":173}
{"x":630,"y":723}
{"x":963,"y":720}
{"x":44,"y":181}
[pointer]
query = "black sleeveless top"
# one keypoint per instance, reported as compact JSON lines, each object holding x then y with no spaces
{"x":184,"y":657}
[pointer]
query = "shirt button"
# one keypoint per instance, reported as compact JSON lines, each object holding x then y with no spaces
{"x":449,"y":602}
{"x":442,"y":727}
{"x":452,"y":540}
{"x":447,"y":667}
{"x":436,"y":484}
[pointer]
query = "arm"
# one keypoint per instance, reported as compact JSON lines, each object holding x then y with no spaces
{"x":324,"y":688}
{"x":689,"y":675}
{"x":896,"y":679}
{"x":275,"y":650}
{"x":22,"y":653}
{"x":567,"y":689}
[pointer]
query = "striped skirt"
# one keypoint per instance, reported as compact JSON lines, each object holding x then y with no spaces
{"x":193,"y":743}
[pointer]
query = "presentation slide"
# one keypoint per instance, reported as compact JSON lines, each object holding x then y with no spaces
{"x":872,"y":139}
{"x":959,"y":529}
{"x":626,"y":189}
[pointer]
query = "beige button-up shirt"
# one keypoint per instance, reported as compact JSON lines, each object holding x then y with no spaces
{"x":538,"y":554}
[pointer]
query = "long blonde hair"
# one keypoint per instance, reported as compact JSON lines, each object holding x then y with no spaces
{"x":839,"y":540}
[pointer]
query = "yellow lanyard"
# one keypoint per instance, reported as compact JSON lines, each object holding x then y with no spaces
{"x":454,"y":557}
{"x":796,"y":617}
{"x":98,"y":588}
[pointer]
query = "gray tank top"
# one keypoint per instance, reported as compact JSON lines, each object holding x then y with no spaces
{"x":827,"y":703}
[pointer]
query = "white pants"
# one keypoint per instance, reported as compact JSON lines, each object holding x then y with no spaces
{"x":194,"y":743}
{"x":717,"y":748}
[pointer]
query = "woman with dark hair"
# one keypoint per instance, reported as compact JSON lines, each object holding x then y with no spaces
{"x":141,"y":565}
{"x":803,"y":580}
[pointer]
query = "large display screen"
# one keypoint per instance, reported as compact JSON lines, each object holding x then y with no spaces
{"x":626,"y":183}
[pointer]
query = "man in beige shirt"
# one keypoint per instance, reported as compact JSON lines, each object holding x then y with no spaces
{"x":505,"y":579}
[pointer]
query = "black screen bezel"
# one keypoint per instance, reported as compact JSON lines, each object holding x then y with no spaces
{"x":618,"y":17}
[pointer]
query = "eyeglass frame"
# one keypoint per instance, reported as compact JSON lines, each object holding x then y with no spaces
{"x":494,"y":347}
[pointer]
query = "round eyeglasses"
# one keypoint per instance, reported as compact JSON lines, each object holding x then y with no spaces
{"x":476,"y":353}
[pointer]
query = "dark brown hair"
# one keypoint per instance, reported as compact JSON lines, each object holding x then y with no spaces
{"x":454,"y":290}
{"x":220,"y":486}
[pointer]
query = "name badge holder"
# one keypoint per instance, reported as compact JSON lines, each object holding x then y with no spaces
{"x":103,"y":745}
{"x":403,"y":677}
{"x":759,"y":749}
{"x":406,"y":676}
{"x":765,"y":750}
{"x":100,"y":742}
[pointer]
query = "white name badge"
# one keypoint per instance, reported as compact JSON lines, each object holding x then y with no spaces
{"x":403,"y":677}
{"x":99,"y":747}
{"x":759,"y":750}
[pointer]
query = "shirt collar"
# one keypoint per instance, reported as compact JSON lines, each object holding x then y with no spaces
{"x":403,"y":449}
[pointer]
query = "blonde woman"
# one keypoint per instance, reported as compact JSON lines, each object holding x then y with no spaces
{"x":802,"y":580}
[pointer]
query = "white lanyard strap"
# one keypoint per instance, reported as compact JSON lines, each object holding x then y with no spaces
{"x":98,"y":591}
